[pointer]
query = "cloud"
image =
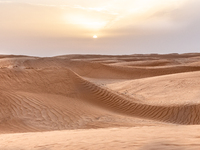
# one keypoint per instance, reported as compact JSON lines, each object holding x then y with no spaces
{"x":44,"y":28}
{"x":36,"y":13}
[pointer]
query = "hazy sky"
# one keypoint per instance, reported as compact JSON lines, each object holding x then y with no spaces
{"x":57,"y":27}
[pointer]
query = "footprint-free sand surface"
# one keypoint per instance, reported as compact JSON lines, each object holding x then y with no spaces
{"x":106,"y":102}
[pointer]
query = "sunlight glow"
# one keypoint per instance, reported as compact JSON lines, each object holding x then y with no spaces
{"x":134,"y":25}
{"x":116,"y":15}
{"x":94,"y":36}
{"x":83,"y":21}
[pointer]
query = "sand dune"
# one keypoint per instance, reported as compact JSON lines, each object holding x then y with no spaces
{"x":90,"y":91}
{"x":182,"y":114}
{"x":149,"y":90}
{"x":47,"y":100}
{"x":137,"y":138}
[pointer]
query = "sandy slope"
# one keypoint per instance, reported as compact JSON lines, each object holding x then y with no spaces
{"x":141,"y":92}
{"x":166,"y":89}
{"x":137,"y":138}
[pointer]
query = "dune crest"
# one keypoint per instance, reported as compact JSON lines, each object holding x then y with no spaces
{"x":74,"y":92}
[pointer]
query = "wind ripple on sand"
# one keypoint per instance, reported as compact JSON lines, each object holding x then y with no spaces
{"x":180,"y":114}
{"x":40,"y":94}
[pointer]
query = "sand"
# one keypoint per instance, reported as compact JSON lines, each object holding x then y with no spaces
{"x":100,"y":102}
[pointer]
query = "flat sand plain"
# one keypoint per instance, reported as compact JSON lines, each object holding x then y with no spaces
{"x":136,"y":102}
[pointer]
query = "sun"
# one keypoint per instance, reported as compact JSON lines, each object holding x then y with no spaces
{"x":95,"y":36}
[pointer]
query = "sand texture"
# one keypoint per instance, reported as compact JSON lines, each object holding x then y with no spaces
{"x":100,"y":102}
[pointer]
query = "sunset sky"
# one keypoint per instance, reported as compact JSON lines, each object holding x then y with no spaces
{"x":58,"y":27}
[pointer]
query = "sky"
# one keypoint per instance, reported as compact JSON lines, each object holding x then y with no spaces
{"x":122,"y":27}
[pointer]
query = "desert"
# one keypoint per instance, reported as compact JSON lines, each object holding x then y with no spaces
{"x":139,"y":101}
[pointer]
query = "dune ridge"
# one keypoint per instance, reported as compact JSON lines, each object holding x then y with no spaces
{"x":66,"y":92}
{"x":181,"y":114}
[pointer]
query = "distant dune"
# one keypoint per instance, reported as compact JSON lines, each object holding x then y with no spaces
{"x":126,"y":93}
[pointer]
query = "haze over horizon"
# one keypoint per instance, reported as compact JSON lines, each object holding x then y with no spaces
{"x":49,"y":28}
